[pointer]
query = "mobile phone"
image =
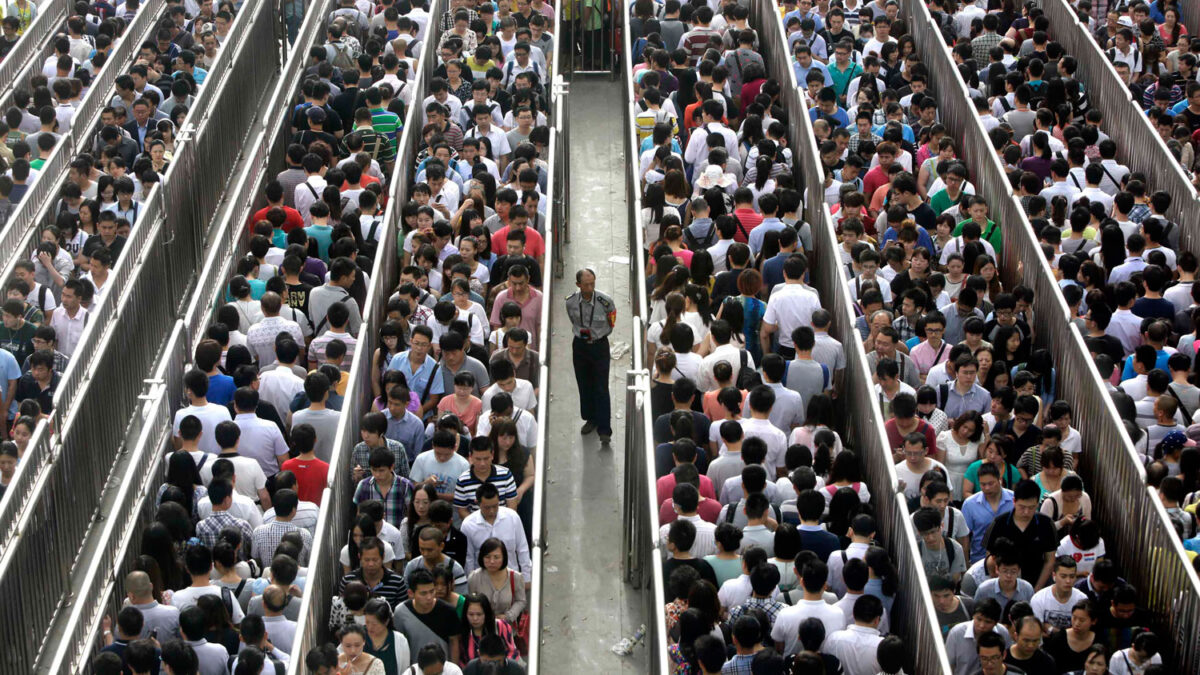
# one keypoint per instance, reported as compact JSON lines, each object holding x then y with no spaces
{"x":154,"y":634}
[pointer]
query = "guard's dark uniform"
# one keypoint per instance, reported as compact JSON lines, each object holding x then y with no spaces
{"x":591,"y":322}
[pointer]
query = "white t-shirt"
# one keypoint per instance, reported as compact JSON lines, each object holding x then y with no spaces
{"x":249,"y":476}
{"x":789,"y":308}
{"x":187,"y":597}
{"x":1084,"y":560}
{"x":1048,"y":609}
{"x":912,"y":480}
{"x":787,"y":624}
{"x":210,"y":416}
{"x":522,"y":395}
{"x":426,"y":464}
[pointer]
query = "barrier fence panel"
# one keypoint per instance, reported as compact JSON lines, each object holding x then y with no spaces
{"x":18,"y":238}
{"x":1138,"y":538}
{"x":590,"y":35}
{"x":1139,"y":145}
{"x":91,"y":430}
{"x":642,"y":566}
{"x":25,"y":59}
{"x":914,"y":617}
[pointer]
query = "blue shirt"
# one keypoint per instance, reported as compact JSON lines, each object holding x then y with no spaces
{"x":839,"y":116}
{"x":323,"y":234}
{"x":418,"y":380}
{"x":923,"y":238}
{"x":408,"y":431}
{"x":1160,"y":362}
{"x":9,"y":370}
{"x":220,"y":389}
{"x":759,"y":233}
{"x":977,"y":398}
{"x":802,"y":72}
{"x":801,"y":16}
{"x":979,"y":515}
{"x":906,"y":130}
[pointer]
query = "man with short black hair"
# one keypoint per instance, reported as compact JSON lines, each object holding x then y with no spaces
{"x":424,"y":619}
{"x":199,"y":564}
{"x":1032,"y":531}
{"x":267,"y":536}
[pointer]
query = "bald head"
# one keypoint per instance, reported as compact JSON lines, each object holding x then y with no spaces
{"x":271,"y":302}
{"x":139,"y":587}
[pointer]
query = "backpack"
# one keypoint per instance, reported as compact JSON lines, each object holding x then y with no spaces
{"x":695,"y":244}
{"x":343,"y":55}
{"x":731,"y":511}
{"x":747,"y":378}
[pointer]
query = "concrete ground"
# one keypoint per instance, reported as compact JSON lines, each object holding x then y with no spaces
{"x":587,"y":607}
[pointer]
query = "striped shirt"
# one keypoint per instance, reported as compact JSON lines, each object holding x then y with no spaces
{"x":387,"y":123}
{"x":377,"y":145}
{"x":695,"y":42}
{"x":268,"y":536}
{"x":391,"y":588}
{"x":468,"y":484}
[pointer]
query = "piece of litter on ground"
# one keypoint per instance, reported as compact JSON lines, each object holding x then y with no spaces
{"x":551,"y":569}
{"x":619,"y":349}
{"x":619,"y":259}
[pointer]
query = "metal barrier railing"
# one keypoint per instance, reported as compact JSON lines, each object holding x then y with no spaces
{"x":589,"y":34}
{"x":18,"y":238}
{"x":92,"y":430}
{"x":39,"y":452}
{"x":1139,"y":145}
{"x":122,"y":528}
{"x":1143,"y":537}
{"x":25,"y":59}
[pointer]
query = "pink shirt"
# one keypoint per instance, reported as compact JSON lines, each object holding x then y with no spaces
{"x":531,"y":312}
{"x":469,"y":416}
{"x":927,"y":357}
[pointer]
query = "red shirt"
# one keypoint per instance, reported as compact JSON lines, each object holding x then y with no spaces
{"x":709,"y":510}
{"x":535,"y":246}
{"x":293,"y":221}
{"x":666,"y":486}
{"x":874,"y":178}
{"x":311,"y":475}
{"x":897,"y":441}
{"x":749,"y":220}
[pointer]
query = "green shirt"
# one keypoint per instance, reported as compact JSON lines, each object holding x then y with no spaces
{"x":991,"y":234}
{"x":842,"y":80}
{"x":942,"y":201}
{"x":19,"y":343}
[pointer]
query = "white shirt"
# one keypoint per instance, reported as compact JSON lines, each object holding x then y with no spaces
{"x":261,"y":441}
{"x":706,"y":541}
{"x":68,"y":329}
{"x":243,"y":507}
{"x":775,"y":439}
{"x":507,"y":528}
{"x":522,"y":395}
{"x":697,"y":147}
{"x":855,"y":647}
{"x":210,"y":416}
{"x":304,"y":198}
{"x":789,"y":308}
{"x":261,"y":337}
{"x":787,"y":624}
{"x":729,"y":353}
{"x":187,"y":597}
{"x":249,"y":477}
{"x":526,"y":425}
{"x":281,"y":631}
{"x":1126,"y":327}
{"x":846,"y":604}
{"x":912,"y":481}
{"x":1048,"y":609}
{"x":278,"y":386}
{"x":835,"y":565}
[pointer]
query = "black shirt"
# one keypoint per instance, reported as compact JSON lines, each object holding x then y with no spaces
{"x":1107,"y":344}
{"x":28,"y":388}
{"x":1065,"y":658}
{"x":726,"y":285}
{"x":499,"y":271}
{"x":1038,"y":538}
{"x":701,"y":566}
{"x":298,"y":296}
{"x":1040,"y":663}
{"x":443,"y":620}
{"x":95,"y":243}
{"x":664,"y":434}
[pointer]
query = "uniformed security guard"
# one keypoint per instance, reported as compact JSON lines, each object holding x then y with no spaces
{"x":593,"y":315}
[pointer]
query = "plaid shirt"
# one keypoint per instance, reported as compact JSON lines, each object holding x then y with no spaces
{"x":267,"y":538}
{"x":906,"y":330}
{"x":395,"y":502}
{"x":771,"y":607}
{"x":209,"y":529}
{"x":447,"y":20}
{"x":981,"y":47}
{"x":362,"y":457}
{"x":856,"y":138}
{"x":1138,"y":213}
{"x":738,"y":665}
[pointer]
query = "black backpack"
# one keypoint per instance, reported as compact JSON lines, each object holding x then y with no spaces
{"x":748,"y":378}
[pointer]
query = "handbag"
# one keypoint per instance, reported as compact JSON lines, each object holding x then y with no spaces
{"x":521,"y":629}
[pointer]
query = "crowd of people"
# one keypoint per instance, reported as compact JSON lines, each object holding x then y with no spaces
{"x":768,"y":527}
{"x":435,"y":569}
{"x":50,"y":296}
